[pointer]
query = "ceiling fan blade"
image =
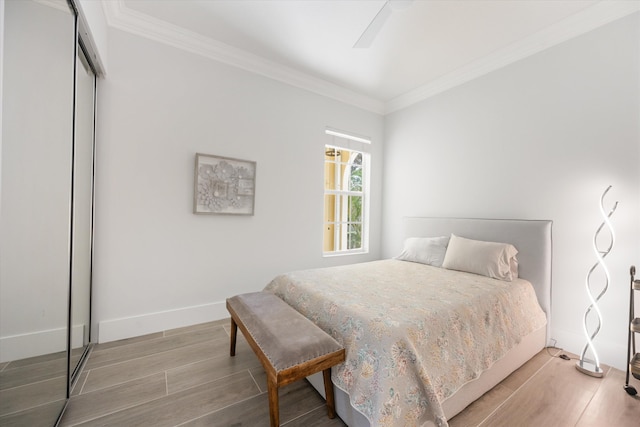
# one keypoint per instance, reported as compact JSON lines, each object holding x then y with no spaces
{"x":374,"y":27}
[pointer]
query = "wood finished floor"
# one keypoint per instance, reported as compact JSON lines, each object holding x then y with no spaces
{"x":185,"y":377}
{"x":33,"y":390}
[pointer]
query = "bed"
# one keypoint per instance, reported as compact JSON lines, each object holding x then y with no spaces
{"x":404,"y":366}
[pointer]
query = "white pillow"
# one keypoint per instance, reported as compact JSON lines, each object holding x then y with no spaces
{"x":425,"y":250}
{"x":496,"y":260}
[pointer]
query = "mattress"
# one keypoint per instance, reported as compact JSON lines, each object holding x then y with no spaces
{"x":414,"y":334}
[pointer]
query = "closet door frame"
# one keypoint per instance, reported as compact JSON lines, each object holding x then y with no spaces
{"x":80,"y":48}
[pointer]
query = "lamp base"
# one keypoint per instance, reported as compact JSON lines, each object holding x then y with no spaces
{"x":589,"y":368}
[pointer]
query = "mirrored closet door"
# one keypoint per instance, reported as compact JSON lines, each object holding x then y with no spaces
{"x":83,"y":159}
{"x":46,"y":209}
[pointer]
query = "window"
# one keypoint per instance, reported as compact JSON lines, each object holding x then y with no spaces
{"x":345,"y":200}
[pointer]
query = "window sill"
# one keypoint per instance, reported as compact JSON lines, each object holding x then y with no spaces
{"x":344,"y":253}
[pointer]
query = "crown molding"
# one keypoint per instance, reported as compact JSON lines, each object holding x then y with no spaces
{"x":61,"y":5}
{"x":589,"y":19}
{"x":119,"y":16}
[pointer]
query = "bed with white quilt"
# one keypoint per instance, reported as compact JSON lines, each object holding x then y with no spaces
{"x":428,"y":332}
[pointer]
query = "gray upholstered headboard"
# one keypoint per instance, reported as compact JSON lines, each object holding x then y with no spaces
{"x":532,"y":238}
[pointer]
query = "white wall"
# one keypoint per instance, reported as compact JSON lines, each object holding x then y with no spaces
{"x":157,"y":265}
{"x":1,"y":81}
{"x":539,"y":139}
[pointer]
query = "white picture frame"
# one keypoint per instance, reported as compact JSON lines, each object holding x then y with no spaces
{"x":223,"y":185}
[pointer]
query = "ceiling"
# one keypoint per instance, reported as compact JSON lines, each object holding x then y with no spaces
{"x":422,"y":49}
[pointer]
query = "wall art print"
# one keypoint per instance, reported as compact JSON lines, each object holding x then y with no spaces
{"x":224,"y":185}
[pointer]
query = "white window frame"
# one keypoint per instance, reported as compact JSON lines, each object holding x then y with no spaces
{"x":340,"y":140}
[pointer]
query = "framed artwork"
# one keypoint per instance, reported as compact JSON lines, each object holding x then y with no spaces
{"x":224,"y":185}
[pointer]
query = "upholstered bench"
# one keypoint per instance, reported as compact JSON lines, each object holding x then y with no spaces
{"x":289,"y":346}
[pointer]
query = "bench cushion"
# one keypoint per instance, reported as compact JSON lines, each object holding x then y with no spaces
{"x":285,"y":336}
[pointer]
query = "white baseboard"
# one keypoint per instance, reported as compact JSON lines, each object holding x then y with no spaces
{"x":128,"y":327}
{"x":22,"y":346}
{"x":609,"y":353}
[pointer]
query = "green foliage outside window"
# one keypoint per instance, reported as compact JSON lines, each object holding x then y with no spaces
{"x":355,"y":205}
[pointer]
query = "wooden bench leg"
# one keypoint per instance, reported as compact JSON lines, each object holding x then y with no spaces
{"x":234,"y":334}
{"x":328,"y":391}
{"x":274,"y":411}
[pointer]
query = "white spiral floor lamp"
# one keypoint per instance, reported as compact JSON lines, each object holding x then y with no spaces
{"x":584,"y":365}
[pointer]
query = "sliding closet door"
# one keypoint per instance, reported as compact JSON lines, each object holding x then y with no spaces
{"x":37,"y":135}
{"x":82,"y":209}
